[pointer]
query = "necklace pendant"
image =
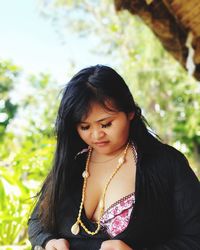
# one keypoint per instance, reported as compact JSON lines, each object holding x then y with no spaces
{"x":85,"y":174}
{"x":121,"y":160}
{"x":75,"y":228}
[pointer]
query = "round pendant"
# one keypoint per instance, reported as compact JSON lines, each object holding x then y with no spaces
{"x":85,"y":174}
{"x":75,"y":228}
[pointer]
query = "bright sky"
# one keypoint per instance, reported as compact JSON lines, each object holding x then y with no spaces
{"x":30,"y":41}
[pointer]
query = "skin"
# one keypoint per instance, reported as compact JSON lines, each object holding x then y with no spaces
{"x":114,"y":245}
{"x":107,"y":133}
{"x":59,"y":244}
{"x":110,"y":128}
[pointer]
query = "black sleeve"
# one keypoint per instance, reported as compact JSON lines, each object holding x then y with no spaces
{"x":37,"y":235}
{"x":186,"y":208}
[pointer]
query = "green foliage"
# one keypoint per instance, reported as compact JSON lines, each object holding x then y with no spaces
{"x":26,"y":156}
{"x":21,"y":175}
{"x":8,"y":76}
{"x":8,"y":73}
{"x":13,"y":213}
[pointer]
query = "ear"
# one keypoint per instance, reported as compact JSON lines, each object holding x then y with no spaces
{"x":131,"y":116}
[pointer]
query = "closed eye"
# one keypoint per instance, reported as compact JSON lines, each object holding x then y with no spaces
{"x":84,"y":127}
{"x":102,"y":125}
{"x":106,"y":125}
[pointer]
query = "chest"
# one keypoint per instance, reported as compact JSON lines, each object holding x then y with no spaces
{"x":153,"y":212}
{"x":121,"y":184}
{"x":153,"y":215}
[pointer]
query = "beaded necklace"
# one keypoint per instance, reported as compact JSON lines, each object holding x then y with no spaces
{"x":76,"y":226}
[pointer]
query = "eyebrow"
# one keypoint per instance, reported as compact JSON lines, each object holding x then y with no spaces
{"x":100,"y":120}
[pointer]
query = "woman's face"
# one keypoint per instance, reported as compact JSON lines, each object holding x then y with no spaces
{"x":105,"y":131}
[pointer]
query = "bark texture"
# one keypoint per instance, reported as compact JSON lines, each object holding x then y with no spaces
{"x":171,"y":21}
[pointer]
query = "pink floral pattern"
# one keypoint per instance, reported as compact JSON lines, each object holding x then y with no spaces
{"x":116,"y":218}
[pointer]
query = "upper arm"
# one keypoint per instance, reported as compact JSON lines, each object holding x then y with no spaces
{"x":37,"y":235}
{"x":186,"y":198}
{"x":186,"y":206}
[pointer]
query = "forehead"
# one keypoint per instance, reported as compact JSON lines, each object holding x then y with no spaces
{"x":97,"y":112}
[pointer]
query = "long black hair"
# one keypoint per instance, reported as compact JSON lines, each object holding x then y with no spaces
{"x":93,"y":84}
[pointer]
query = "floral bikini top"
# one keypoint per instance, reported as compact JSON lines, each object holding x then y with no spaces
{"x":116,"y":218}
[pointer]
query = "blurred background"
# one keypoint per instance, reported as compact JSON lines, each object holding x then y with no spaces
{"x":42,"y":44}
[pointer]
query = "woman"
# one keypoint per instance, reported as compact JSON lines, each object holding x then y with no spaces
{"x":113,"y":185}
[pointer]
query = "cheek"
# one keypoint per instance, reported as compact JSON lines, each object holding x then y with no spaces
{"x":83,"y":134}
{"x":122,"y":128}
{"x":79,"y":132}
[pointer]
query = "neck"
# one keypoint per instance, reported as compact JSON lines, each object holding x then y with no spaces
{"x":102,"y":158}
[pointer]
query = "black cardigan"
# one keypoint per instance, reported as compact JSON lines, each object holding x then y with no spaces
{"x":166,"y":215}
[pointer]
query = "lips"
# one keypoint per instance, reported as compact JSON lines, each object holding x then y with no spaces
{"x":101,"y":143}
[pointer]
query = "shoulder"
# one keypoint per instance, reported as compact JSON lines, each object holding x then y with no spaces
{"x":170,"y":162}
{"x":163,"y":153}
{"x":165,"y":158}
{"x":153,"y":149}
{"x":171,"y":156}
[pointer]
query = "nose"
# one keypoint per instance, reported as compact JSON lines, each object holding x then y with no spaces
{"x":97,"y":134}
